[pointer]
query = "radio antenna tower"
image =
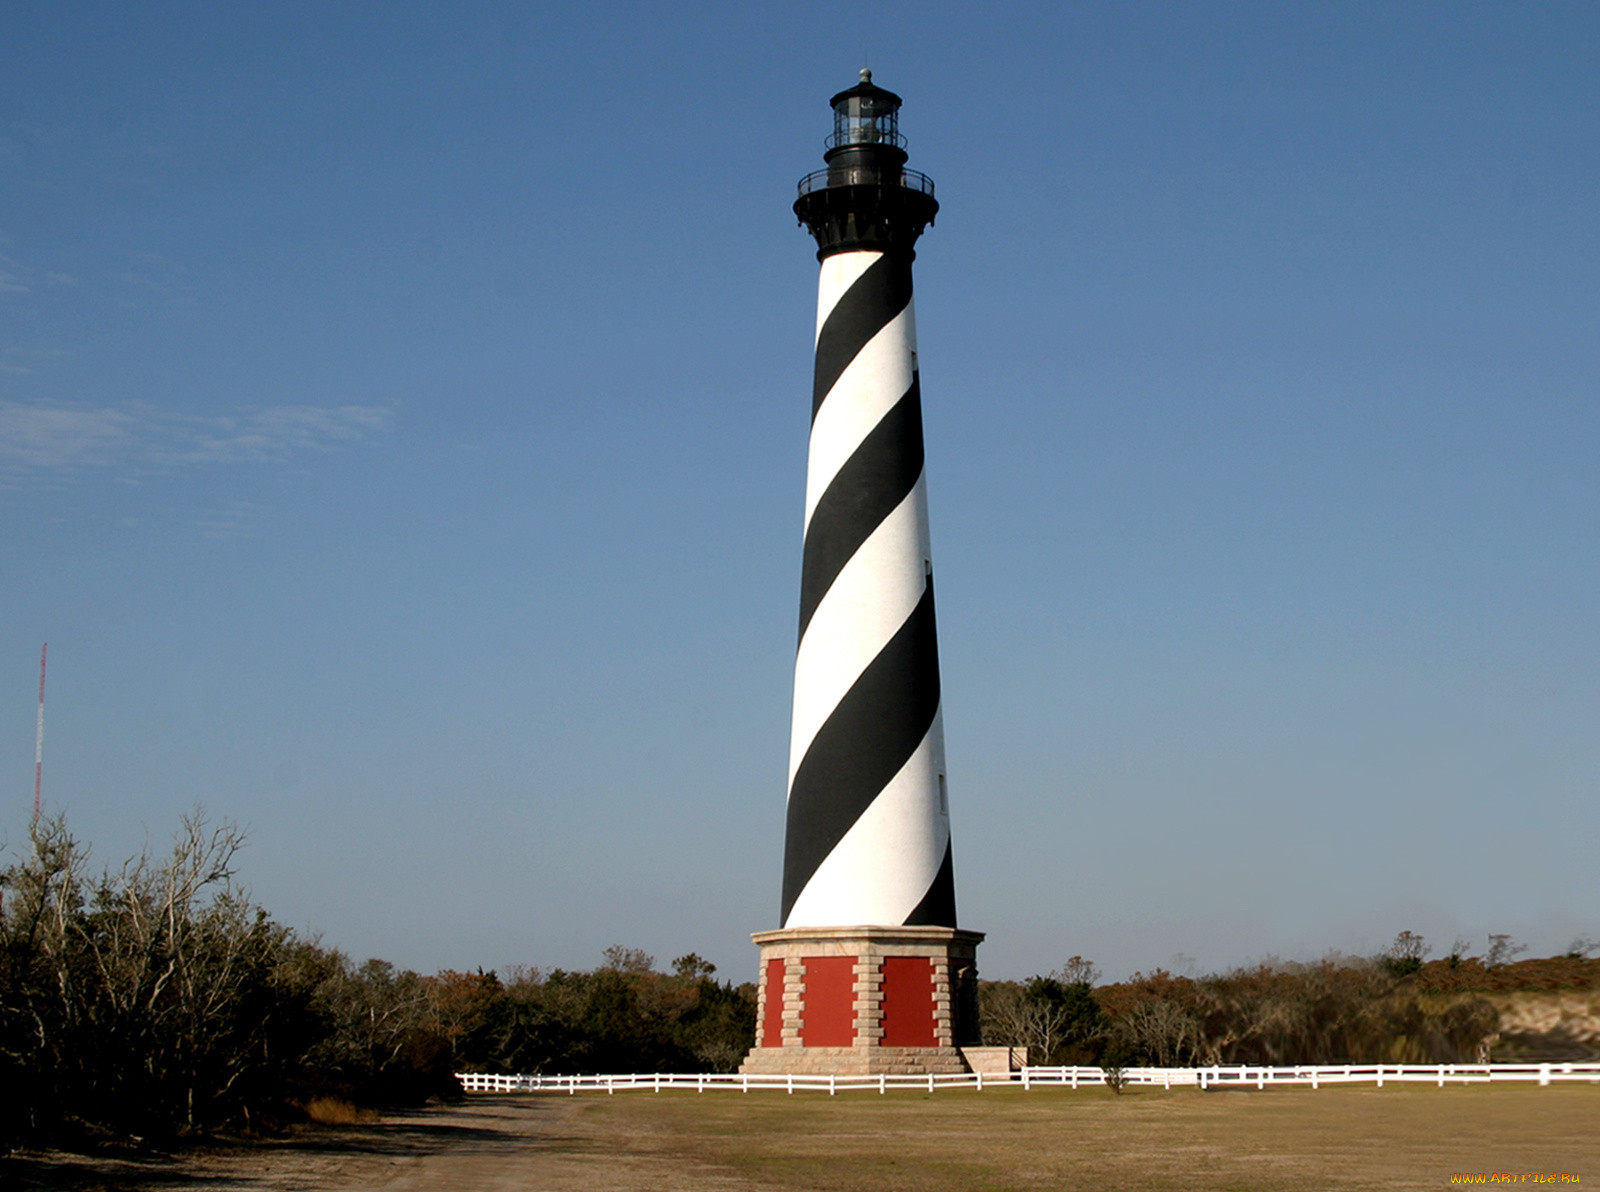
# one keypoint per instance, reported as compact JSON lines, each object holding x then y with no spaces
{"x":38,"y":748}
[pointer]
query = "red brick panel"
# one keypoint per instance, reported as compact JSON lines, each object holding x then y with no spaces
{"x":828,"y":1010}
{"x":908,"y":1012}
{"x":772,"y":1020}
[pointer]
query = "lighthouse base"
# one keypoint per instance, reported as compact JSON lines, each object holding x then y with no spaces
{"x":853,"y":1001}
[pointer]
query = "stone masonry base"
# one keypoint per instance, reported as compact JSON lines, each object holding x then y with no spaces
{"x":864,"y":1000}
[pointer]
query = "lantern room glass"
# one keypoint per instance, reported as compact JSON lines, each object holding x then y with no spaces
{"x":866,"y":120}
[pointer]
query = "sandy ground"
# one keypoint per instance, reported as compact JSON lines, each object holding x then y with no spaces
{"x":1269,"y":1141}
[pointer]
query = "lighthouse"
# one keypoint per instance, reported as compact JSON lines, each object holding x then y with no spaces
{"x":868,"y":971}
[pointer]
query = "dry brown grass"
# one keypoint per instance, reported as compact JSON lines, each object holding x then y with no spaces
{"x":336,"y":1111}
{"x":999,"y":1140}
{"x":1145,"y":1139}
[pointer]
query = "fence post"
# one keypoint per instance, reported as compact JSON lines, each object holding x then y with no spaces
{"x":930,"y":1082}
{"x":1544,"y":1074}
{"x":791,"y":1083}
{"x":832,"y":1084}
{"x":883,"y":1084}
{"x":979,"y":1075}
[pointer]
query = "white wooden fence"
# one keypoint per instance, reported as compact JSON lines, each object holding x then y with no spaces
{"x":1029,"y":1078}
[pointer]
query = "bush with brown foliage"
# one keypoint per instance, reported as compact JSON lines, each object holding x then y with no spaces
{"x":1395,"y":1008}
{"x":1472,"y":975}
{"x":1339,"y":1010}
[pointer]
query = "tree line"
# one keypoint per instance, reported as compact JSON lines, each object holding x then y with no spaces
{"x":1398,"y":1007}
{"x":157,"y":1000}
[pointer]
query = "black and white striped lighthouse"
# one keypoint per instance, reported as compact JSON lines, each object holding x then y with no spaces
{"x":868,"y":972}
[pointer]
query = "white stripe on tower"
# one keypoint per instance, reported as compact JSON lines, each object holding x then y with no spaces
{"x":868,"y":839}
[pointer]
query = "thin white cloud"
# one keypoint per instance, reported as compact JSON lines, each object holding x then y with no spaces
{"x":11,"y":277}
{"x":56,"y":439}
{"x":233,"y":521}
{"x":12,"y":359}
{"x":16,"y":277}
{"x":37,"y":437}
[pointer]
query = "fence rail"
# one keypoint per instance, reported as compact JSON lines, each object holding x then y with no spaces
{"x":1030,"y":1078}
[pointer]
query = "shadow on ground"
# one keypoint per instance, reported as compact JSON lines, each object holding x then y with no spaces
{"x":311,"y":1152}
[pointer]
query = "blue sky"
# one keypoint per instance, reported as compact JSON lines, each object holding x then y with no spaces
{"x":402,"y":441}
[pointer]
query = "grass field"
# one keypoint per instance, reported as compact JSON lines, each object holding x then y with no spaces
{"x":999,"y":1140}
{"x":1145,"y":1139}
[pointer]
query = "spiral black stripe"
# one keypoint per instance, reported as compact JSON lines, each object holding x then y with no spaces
{"x":938,"y":905}
{"x":870,"y":304}
{"x":862,"y":745}
{"x":877,"y":477}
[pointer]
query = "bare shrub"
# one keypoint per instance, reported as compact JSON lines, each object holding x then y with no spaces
{"x":1405,"y":955}
{"x":628,"y":960}
{"x":142,"y":1000}
{"x":1058,"y":1021}
{"x":1077,"y":971}
{"x":1162,"y":1030}
{"x":1502,"y":950}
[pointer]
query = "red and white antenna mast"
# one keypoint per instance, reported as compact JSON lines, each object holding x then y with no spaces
{"x":38,"y":748}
